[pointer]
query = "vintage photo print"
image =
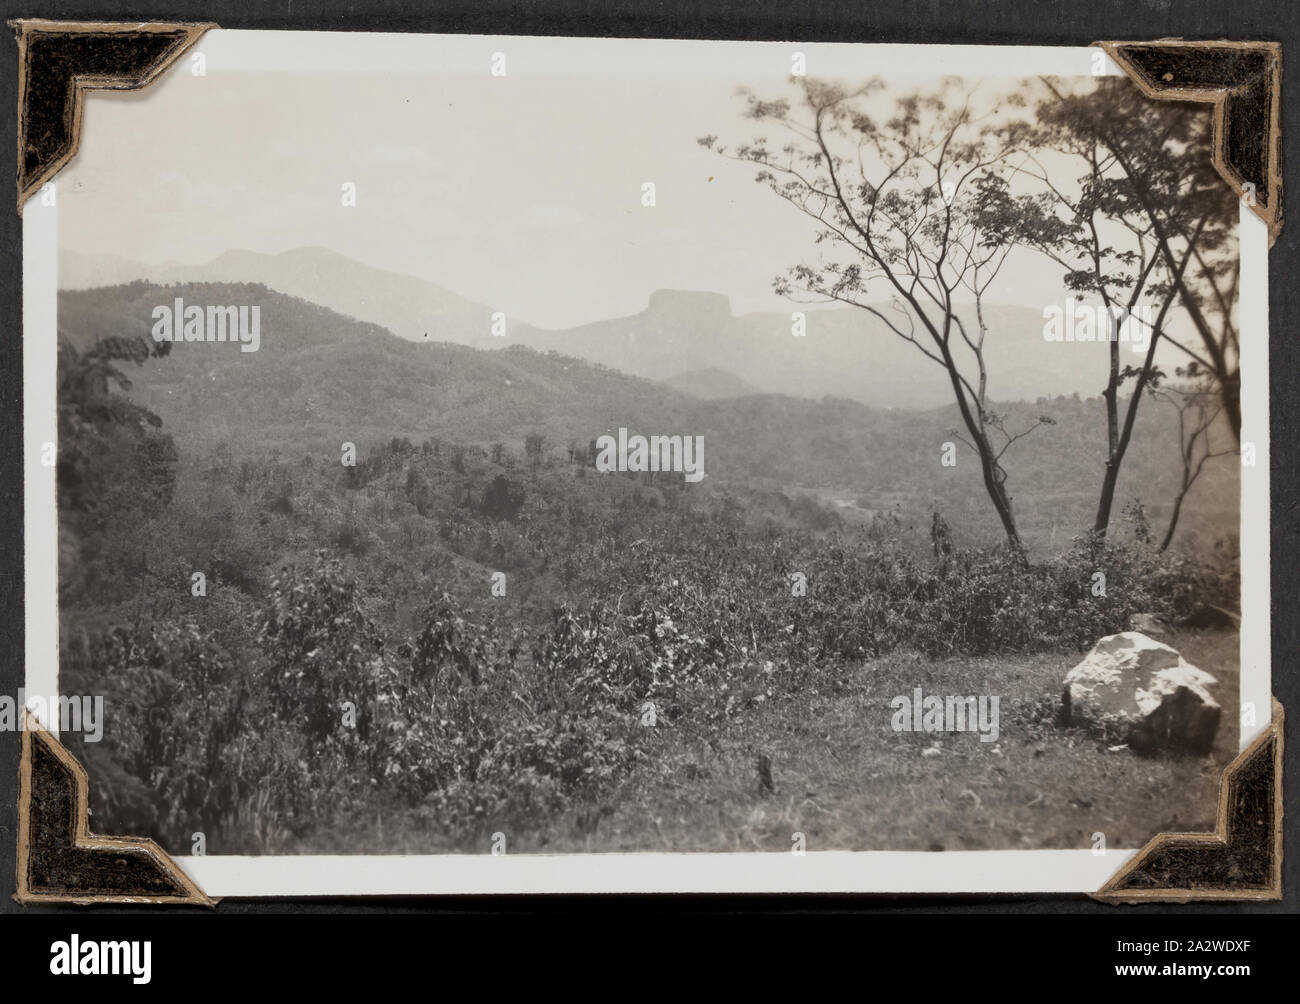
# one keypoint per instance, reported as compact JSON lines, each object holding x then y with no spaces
{"x":464,"y":464}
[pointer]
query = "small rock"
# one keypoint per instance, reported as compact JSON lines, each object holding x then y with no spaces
{"x":931,"y":751}
{"x":1144,"y":684}
{"x":1149,"y":625}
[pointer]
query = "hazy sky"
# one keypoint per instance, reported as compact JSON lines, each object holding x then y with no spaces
{"x":522,"y":192}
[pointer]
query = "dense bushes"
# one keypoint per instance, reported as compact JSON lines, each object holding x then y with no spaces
{"x":877,"y":598}
{"x":174,"y":709}
{"x":328,"y":718}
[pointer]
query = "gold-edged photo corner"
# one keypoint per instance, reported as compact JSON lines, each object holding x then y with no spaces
{"x":58,"y":61}
{"x":61,"y":861}
{"x":1240,"y":860}
{"x":1243,"y":81}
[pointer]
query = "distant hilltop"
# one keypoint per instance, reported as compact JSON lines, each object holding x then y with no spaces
{"x":689,"y":303}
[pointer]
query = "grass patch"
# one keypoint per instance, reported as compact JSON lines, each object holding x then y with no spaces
{"x":846,"y":780}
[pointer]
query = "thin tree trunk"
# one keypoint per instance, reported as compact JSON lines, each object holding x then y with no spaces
{"x":993,"y":484}
{"x":1119,"y":445}
{"x":1111,"y":476}
{"x":998,"y":493}
{"x":1107,"y":500}
{"x":1173,"y":519}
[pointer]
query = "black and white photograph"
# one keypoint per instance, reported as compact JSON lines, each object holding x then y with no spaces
{"x":540,"y":464}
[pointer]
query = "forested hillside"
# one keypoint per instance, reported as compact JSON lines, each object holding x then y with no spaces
{"x":319,"y":380}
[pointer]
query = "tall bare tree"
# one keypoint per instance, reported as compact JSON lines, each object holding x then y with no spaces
{"x":903,"y":202}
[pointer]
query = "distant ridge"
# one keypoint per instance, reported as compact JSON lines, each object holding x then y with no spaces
{"x":689,"y":339}
{"x":710,"y":384}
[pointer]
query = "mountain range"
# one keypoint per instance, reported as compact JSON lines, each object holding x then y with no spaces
{"x":690,"y":340}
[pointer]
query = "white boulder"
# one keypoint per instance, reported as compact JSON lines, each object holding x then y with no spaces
{"x":1159,"y":697}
